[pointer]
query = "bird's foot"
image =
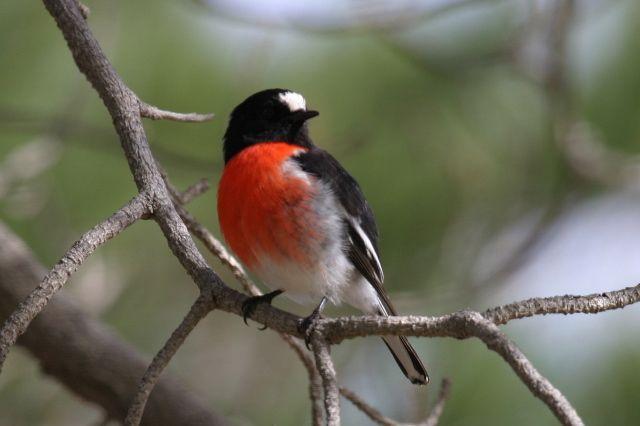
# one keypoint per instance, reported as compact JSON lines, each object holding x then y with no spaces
{"x":250,"y":305}
{"x":308,"y":324}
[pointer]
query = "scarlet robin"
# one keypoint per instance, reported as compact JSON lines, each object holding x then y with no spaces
{"x":298,"y":220}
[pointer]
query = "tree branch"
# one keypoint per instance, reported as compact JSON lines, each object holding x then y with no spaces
{"x":460,"y":325}
{"x":495,"y":340}
{"x":336,"y":330}
{"x":567,"y":304}
{"x":315,"y":381}
{"x":20,"y":319}
{"x":325,"y":367}
{"x":72,"y":347}
{"x":376,"y":416}
{"x":193,"y":191}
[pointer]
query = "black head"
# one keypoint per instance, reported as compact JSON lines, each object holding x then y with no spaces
{"x":274,"y":115}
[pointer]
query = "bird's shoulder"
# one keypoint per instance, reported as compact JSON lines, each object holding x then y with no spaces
{"x":324,"y":166}
{"x":321,"y":164}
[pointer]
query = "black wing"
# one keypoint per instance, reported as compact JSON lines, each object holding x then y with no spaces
{"x":360,"y":224}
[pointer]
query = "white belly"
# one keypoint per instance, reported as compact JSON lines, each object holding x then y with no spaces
{"x":329,"y":271}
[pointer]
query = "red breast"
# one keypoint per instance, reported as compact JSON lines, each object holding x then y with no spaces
{"x":264,"y":210}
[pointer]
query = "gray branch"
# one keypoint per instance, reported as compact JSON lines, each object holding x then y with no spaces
{"x":338,"y":329}
{"x":327,"y":371}
{"x":460,"y":325}
{"x":193,"y":191}
{"x":568,"y":304}
{"x":20,"y":319}
{"x":542,"y":388}
{"x":81,"y":353}
{"x":376,"y":416}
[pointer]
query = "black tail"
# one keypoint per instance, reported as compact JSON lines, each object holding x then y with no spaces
{"x":407,"y":359}
{"x":402,"y":351}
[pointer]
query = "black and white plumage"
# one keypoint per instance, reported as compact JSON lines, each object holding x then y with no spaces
{"x":360,"y":236}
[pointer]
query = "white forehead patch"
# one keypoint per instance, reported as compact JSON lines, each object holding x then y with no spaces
{"x":294,"y":101}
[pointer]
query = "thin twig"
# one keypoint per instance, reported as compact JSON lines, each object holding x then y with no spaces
{"x":183,"y":197}
{"x":216,"y":248}
{"x":208,"y":239}
{"x":20,"y":319}
{"x":376,"y":416}
{"x":155,"y":113}
{"x":567,"y":304}
{"x":194,"y":191}
{"x":200,"y":308}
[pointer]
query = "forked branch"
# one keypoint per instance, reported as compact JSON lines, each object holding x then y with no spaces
{"x":20,"y":319}
{"x":376,"y":416}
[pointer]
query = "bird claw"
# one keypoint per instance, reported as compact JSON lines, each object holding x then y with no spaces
{"x":249,"y":306}
{"x":308,"y":324}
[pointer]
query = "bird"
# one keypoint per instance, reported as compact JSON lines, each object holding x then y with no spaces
{"x":298,"y":220}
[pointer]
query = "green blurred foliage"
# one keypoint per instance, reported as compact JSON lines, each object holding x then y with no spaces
{"x":432,"y":145}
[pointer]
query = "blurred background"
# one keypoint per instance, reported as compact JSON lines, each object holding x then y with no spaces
{"x":496,"y":141}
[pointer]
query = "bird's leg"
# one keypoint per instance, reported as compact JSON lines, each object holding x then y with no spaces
{"x":307,"y":325}
{"x":250,"y":305}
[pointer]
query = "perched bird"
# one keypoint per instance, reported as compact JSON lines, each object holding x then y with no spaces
{"x":298,"y":220}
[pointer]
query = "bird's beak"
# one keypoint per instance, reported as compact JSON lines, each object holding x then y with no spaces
{"x":302,"y":116}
